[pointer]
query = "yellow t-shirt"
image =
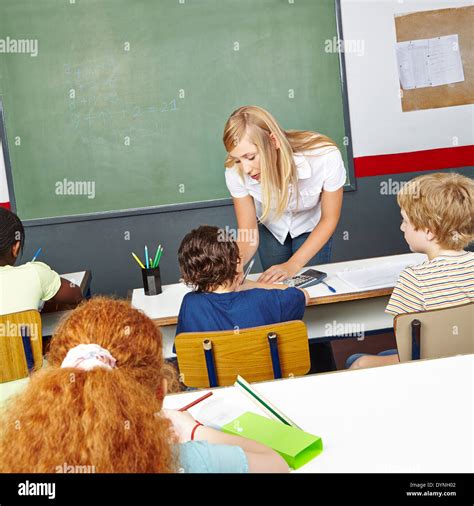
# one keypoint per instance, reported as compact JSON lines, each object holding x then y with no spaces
{"x":24,"y":287}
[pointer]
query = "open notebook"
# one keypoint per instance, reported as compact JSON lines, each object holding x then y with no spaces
{"x":216,"y":412}
{"x":275,"y":430}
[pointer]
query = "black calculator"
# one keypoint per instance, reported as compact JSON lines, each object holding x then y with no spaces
{"x":307,"y":278}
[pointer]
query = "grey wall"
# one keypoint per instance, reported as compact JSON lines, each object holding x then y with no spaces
{"x":369,"y":226}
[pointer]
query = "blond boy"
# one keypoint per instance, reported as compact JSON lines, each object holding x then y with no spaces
{"x":438,"y":220}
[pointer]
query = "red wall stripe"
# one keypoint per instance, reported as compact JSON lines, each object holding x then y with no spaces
{"x":5,"y":204}
{"x":415,"y":161}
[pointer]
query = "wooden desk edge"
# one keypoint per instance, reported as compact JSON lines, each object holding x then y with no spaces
{"x":344,"y":297}
{"x":314,"y":301}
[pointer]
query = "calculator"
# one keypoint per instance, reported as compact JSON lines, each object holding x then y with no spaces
{"x":307,"y":278}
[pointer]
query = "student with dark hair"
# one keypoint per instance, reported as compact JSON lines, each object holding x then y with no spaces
{"x":208,"y":260}
{"x":25,"y":286}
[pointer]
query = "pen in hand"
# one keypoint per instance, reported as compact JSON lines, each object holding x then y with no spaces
{"x":247,"y":271}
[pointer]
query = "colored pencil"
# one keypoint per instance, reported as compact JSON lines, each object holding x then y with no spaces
{"x":156,"y":256}
{"x":146,"y":258}
{"x":262,"y":403}
{"x":159,"y":257}
{"x":36,"y":254}
{"x":191,"y":404}
{"x":138,"y":260}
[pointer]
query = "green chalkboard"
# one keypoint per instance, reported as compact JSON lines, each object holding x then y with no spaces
{"x":125,"y":101}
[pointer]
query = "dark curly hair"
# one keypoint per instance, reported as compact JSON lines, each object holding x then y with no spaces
{"x":208,"y":257}
{"x":11,"y":231}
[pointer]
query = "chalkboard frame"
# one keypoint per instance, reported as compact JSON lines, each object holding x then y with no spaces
{"x":352,"y":186}
{"x":6,"y":158}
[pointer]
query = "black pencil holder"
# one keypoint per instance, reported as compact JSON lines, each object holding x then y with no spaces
{"x":152,"y":281}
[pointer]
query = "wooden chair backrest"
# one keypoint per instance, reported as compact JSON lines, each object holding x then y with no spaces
{"x":13,"y":364}
{"x":245,"y":352}
{"x":444,"y":332}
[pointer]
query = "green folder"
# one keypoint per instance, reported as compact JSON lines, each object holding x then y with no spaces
{"x":294,"y":445}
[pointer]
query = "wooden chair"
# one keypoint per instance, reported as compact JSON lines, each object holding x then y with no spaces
{"x":20,"y":345}
{"x":244,"y":352}
{"x":435,"y":334}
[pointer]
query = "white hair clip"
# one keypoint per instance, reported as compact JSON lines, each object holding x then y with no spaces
{"x":89,"y":356}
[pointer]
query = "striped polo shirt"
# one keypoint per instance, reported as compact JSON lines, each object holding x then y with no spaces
{"x":444,"y":281}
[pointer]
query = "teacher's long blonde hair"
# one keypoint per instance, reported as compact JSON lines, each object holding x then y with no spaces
{"x":276,"y":165}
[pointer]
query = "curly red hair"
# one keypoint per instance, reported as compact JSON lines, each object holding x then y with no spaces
{"x":107,"y":420}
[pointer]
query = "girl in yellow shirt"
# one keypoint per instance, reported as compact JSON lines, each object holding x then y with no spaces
{"x":25,"y":286}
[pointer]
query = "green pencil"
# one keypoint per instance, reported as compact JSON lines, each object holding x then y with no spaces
{"x":159,"y":258}
{"x":154,"y":264}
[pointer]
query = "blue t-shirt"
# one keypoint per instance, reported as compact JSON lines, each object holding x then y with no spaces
{"x":203,"y":457}
{"x":201,"y":312}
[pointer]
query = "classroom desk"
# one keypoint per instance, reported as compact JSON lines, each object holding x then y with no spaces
{"x":82,"y":279}
{"x":349,"y":311}
{"x":50,"y":320}
{"x":414,"y":417}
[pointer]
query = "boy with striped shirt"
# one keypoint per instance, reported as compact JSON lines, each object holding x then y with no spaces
{"x":438,"y":220}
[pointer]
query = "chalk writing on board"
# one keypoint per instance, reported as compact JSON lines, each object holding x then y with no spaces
{"x":103,"y":109}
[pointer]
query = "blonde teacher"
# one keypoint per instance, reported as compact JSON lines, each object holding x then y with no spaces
{"x":287,"y":189}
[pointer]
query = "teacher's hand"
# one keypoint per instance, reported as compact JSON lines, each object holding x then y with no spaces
{"x":279,"y":272}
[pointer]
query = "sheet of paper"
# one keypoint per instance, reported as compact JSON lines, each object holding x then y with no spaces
{"x":445,"y":65}
{"x":74,"y":277}
{"x":216,"y":413}
{"x":429,"y":62}
{"x":379,"y":276}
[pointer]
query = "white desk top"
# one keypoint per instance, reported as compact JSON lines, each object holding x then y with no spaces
{"x":414,"y":417}
{"x":167,"y":304}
